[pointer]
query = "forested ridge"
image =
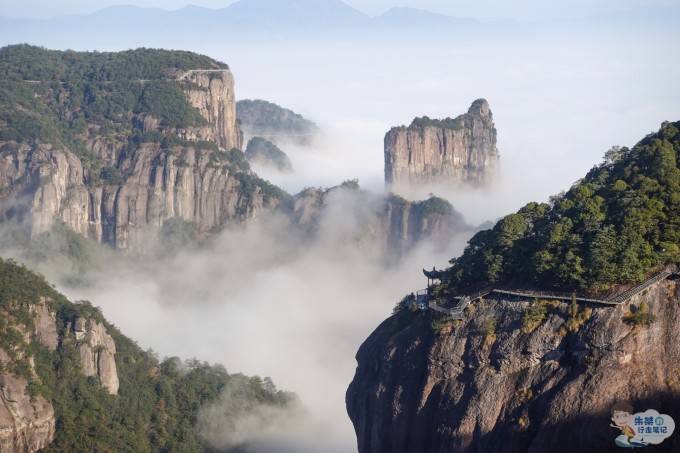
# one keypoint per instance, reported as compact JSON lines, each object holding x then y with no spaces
{"x":59,"y":96}
{"x":158,"y":403}
{"x":617,"y":224}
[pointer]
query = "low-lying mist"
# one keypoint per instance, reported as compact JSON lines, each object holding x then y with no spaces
{"x":265,"y":299}
{"x":268,"y":300}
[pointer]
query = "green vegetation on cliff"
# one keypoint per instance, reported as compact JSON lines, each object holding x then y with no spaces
{"x":158,"y":403}
{"x":24,"y":62}
{"x":56,"y":96}
{"x":614,"y":226}
{"x":446,"y":123}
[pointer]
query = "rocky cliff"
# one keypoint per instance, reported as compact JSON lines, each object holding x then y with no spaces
{"x":149,"y":186}
{"x":492,"y":383}
{"x":515,"y":373}
{"x":452,"y":151}
{"x":117,"y":154}
{"x":27,"y":424}
{"x":211,"y":92}
{"x":390,"y":223}
{"x":71,"y":382}
{"x":27,"y":418}
{"x":97,"y":352}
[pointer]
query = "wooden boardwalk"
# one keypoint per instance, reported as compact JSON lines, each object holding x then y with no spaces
{"x":617,"y":299}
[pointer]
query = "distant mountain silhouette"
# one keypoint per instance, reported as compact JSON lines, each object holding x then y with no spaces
{"x":245,"y":19}
{"x":420,"y":18}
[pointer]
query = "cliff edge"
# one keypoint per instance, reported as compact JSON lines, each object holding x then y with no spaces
{"x":452,"y":151}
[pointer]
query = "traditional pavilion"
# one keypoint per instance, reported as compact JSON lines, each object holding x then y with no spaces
{"x":433,"y":277}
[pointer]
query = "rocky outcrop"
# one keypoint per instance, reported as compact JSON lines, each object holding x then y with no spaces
{"x":489,"y":383}
{"x":452,"y":151}
{"x":45,"y":325}
{"x":211,"y":92}
{"x":97,"y":352}
{"x":275,"y":123}
{"x":121,"y":188}
{"x":43,"y":184}
{"x":27,"y":418}
{"x":390,"y":223}
{"x":27,"y":421}
{"x":26,"y":424}
{"x":263,"y":152}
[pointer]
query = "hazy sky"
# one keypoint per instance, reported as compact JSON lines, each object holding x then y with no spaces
{"x":482,"y":9}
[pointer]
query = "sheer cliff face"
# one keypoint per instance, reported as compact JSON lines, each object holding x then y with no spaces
{"x":211,"y":92}
{"x":97,"y":352}
{"x":460,"y":386}
{"x":126,"y":200}
{"x":390,"y":223}
{"x":450,"y":152}
{"x":27,"y":423}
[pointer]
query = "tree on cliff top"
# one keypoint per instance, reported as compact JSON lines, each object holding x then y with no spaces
{"x":614,"y":226}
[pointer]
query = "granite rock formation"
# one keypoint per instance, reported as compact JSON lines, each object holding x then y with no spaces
{"x":391,"y":223}
{"x":26,"y":424}
{"x":211,"y":92}
{"x":173,"y":156}
{"x":97,"y":352}
{"x":487,"y":384}
{"x":27,"y":420}
{"x":452,"y":151}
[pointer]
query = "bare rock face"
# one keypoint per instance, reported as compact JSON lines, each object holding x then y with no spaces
{"x":126,"y":199}
{"x":390,"y":223}
{"x":454,"y":151}
{"x":26,"y":424}
{"x":424,"y":384}
{"x":45,"y":325}
{"x":45,"y":185}
{"x":97,"y":353}
{"x":212,"y":94}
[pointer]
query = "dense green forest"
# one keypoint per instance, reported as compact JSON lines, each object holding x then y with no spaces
{"x":24,"y":62}
{"x":158,"y":402}
{"x":54,"y":96}
{"x":614,"y":226}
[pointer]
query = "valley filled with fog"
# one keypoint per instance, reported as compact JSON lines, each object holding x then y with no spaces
{"x":264,"y":300}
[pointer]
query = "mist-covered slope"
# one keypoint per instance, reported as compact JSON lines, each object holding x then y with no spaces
{"x":275,"y":123}
{"x":72,"y":382}
{"x":516,"y":373}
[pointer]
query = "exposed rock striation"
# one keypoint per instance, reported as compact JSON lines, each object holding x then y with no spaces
{"x":452,"y":151}
{"x":118,"y":177}
{"x":44,"y":184}
{"x":390,"y":223}
{"x":27,"y":420}
{"x":485,"y":384}
{"x":26,"y":424}
{"x":211,"y":92}
{"x":97,"y":352}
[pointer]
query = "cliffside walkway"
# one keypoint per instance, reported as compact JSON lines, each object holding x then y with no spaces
{"x":183,"y":76}
{"x":463,"y":301}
